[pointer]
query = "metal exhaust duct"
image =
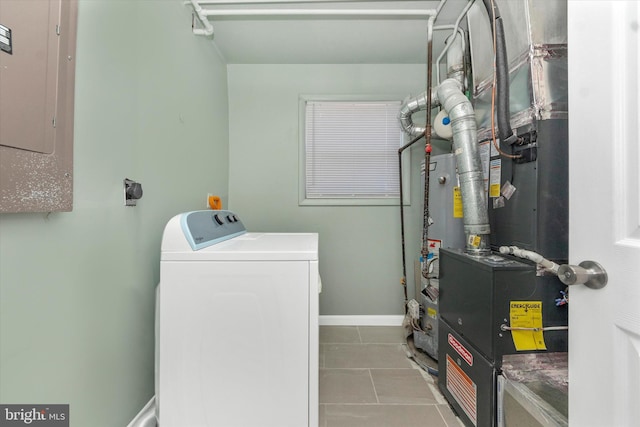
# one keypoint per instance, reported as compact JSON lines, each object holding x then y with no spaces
{"x":469,"y":164}
{"x":449,"y":95}
{"x":411,"y":106}
{"x":455,"y":70}
{"x":455,"y":58}
{"x":463,"y":123}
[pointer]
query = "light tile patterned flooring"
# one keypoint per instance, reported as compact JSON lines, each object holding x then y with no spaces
{"x":366,"y":380}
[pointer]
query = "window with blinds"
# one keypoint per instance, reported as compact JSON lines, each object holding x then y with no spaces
{"x":351,"y":152}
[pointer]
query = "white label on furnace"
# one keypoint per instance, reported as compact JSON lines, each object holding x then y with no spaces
{"x":463,"y":390}
{"x":485,"y":153}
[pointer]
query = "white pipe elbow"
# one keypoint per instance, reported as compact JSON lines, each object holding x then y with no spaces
{"x":531,"y":256}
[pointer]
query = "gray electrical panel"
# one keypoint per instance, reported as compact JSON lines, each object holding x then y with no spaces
{"x":37,"y":75}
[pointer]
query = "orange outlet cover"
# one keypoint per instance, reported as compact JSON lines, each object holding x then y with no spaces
{"x":215,"y":202}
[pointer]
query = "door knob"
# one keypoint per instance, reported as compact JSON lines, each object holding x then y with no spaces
{"x":588,"y":273}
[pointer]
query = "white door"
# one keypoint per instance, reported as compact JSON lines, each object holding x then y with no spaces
{"x":604,"y":135}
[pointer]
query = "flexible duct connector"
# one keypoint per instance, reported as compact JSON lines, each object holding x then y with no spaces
{"x":455,"y":70}
{"x":469,"y":164}
{"x":411,"y":106}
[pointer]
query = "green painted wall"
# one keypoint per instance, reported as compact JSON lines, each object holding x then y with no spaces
{"x":77,"y":289}
{"x":360,"y":256}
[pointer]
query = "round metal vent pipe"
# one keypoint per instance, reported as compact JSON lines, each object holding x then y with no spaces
{"x":455,"y":59}
{"x":469,"y":165}
{"x":455,"y":67}
{"x":412,"y":106}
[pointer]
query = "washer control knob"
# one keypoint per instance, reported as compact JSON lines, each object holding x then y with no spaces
{"x":217,"y":219}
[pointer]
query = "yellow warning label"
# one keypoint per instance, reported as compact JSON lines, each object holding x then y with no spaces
{"x":474,"y":240}
{"x":431,"y":313}
{"x":457,"y":203}
{"x":494,"y":191}
{"x":528,"y":316}
{"x":495,"y":171}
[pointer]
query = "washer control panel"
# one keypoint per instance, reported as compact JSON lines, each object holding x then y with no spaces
{"x":208,"y":227}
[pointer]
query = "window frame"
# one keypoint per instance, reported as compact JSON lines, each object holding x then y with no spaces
{"x":347,"y":201}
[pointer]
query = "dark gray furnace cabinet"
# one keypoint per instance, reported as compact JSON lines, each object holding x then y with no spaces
{"x":476,"y":297}
{"x":37,"y":76}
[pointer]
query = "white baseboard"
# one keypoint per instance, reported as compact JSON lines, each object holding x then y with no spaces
{"x":146,"y":417}
{"x":384,"y":320}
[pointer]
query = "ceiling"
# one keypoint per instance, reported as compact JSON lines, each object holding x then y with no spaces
{"x":329,"y":40}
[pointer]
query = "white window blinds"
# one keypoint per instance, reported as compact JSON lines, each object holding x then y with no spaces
{"x":351,"y":149}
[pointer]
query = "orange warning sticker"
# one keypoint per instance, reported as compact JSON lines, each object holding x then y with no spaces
{"x":463,"y":390}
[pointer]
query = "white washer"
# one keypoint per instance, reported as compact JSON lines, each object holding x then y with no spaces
{"x":237,"y":325}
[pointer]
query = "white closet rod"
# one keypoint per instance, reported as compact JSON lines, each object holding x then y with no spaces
{"x":239,"y":2}
{"x":407,"y":13}
{"x":203,"y":14}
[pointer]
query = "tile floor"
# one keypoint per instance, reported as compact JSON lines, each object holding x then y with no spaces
{"x":367,"y":380}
